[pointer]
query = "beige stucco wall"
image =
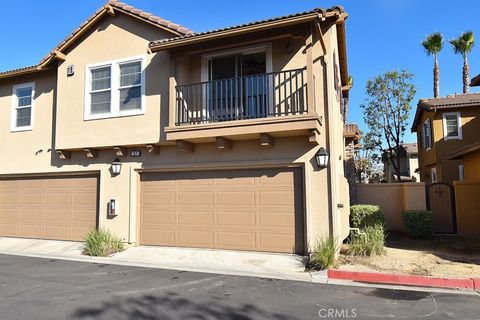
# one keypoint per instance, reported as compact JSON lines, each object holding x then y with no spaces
{"x":392,"y":199}
{"x":114,"y":38}
{"x":59,"y":124}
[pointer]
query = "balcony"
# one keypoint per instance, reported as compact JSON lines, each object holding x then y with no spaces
{"x":264,"y":95}
{"x":240,"y":107}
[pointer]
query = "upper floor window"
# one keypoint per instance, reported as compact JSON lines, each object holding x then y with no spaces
{"x":22,"y":107}
{"x":427,"y":134}
{"x":115,"y":89}
{"x":433,"y":174}
{"x":452,"y":126}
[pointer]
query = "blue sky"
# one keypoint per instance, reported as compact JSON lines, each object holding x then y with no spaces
{"x":381,"y":34}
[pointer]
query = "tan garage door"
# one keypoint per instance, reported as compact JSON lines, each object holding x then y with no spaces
{"x":63,"y":208}
{"x":260,"y":210}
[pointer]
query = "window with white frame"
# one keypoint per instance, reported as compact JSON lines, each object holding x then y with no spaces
{"x":427,"y":134}
{"x":452,"y":126}
{"x":115,"y":88}
{"x":433,"y":175}
{"x":22,"y":106}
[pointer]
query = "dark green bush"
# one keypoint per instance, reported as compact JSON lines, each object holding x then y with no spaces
{"x":363,"y":216}
{"x":418,"y":223}
{"x":323,"y":255}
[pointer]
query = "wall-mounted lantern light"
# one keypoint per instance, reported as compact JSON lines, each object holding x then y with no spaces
{"x":322,"y":157}
{"x":116,"y":167}
{"x":288,"y":48}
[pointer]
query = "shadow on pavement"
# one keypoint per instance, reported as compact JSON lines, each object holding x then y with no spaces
{"x":170,"y":306}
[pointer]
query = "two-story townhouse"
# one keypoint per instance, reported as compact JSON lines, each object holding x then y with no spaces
{"x":174,"y":138}
{"x":408,"y":164}
{"x":444,"y":125}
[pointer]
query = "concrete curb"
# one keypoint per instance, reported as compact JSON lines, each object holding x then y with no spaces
{"x":404,"y":279}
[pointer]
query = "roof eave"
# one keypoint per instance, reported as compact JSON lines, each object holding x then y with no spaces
{"x":155,"y":47}
{"x":21,"y":72}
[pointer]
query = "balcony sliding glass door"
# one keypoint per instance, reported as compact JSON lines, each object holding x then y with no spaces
{"x":238,"y":87}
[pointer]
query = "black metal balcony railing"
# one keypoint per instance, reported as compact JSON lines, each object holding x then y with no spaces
{"x":272,"y":94}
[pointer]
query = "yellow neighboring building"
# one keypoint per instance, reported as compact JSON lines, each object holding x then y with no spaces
{"x":444,"y":125}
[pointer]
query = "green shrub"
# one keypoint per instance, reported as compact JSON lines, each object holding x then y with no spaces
{"x":365,"y":215}
{"x":368,"y":244}
{"x":418,"y":223}
{"x":101,"y":243}
{"x":323,"y":255}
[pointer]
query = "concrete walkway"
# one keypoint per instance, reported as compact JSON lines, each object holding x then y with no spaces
{"x":265,"y":265}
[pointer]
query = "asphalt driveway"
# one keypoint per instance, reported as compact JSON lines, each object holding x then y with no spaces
{"x":34,"y":288}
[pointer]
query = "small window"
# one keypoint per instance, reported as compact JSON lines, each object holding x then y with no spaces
{"x":427,"y":134}
{"x":22,"y":111}
{"x":433,"y":173}
{"x":461,"y":173}
{"x":452,"y":126}
{"x":115,"y":89}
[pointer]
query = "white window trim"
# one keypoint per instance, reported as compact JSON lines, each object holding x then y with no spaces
{"x":13,"y":123}
{"x":459,"y":126}
{"x":430,"y":133}
{"x":115,"y":111}
{"x":433,"y":172}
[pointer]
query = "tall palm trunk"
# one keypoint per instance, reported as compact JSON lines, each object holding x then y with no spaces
{"x":466,"y":75}
{"x":436,"y":79}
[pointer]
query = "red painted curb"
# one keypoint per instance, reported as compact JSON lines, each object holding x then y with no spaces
{"x":402,"y":279}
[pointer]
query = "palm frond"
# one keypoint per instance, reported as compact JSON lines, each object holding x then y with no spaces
{"x":433,"y":43}
{"x":464,"y":43}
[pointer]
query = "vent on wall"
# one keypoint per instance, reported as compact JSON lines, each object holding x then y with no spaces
{"x":70,"y":70}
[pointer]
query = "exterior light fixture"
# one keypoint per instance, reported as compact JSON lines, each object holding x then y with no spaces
{"x":116,"y":167}
{"x":288,"y":48}
{"x":322,"y":157}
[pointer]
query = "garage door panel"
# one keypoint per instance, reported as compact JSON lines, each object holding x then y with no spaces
{"x":276,"y":241}
{"x":47,"y":207}
{"x":195,"y":218}
{"x":158,"y":198}
{"x":157,"y":236}
{"x":59,"y":199}
{"x":195,"y":238}
{"x":58,"y":215}
{"x":32,"y":230}
{"x":277,"y":198}
{"x":32,"y":214}
{"x":58,"y":232}
{"x":195,"y":198}
{"x":8,"y":229}
{"x":33,"y":184}
{"x":276,"y":219}
{"x":236,"y":198}
{"x":236,"y":218}
{"x":59,"y":183}
{"x":84,"y":198}
{"x":159,"y":216}
{"x":34,"y":198}
{"x":258,"y":209}
{"x":11,"y":214}
{"x":237,"y":240}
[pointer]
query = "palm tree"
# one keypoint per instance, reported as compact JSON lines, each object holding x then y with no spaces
{"x":433,"y":44}
{"x":463,"y":45}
